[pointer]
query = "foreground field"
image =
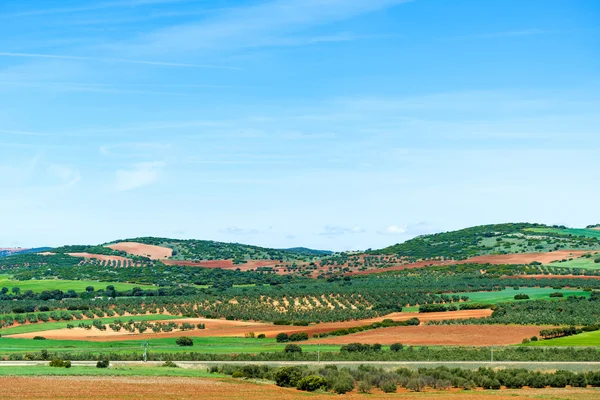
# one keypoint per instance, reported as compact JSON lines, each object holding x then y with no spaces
{"x":582,"y":339}
{"x":63,"y":284}
{"x":128,"y":387}
{"x":223,"y":328}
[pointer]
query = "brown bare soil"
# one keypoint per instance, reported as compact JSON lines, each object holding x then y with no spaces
{"x":223,"y":264}
{"x":224,"y":328}
{"x":100,"y":257}
{"x":552,"y":277}
{"x":142,"y":250}
{"x":166,"y":388}
{"x":441,"y":335}
{"x":526,"y":258}
{"x":498,"y":259}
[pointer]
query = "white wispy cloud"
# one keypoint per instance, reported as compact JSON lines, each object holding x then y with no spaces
{"x":393,"y":230}
{"x":134,"y":149}
{"x":114,"y":60}
{"x":261,"y":24}
{"x":237,"y":230}
{"x":22,"y":133}
{"x":67,"y":175}
{"x":513,"y":33}
{"x":334,"y":230}
{"x":89,"y":7}
{"x":142,"y":174}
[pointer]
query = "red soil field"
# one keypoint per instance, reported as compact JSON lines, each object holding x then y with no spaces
{"x":526,"y":258}
{"x":171,"y":388}
{"x":442,"y":335}
{"x":143,"y":250}
{"x":223,"y":328}
{"x":224,"y":264}
{"x":522,"y":258}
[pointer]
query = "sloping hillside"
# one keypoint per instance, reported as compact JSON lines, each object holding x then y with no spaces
{"x":192,"y":249}
{"x":5,"y":252}
{"x":494,"y":239}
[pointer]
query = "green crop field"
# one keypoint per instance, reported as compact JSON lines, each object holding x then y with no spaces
{"x":48,"y":326}
{"x":583,"y":339}
{"x":581,"y":262}
{"x":219,"y":345}
{"x":569,"y":231}
{"x":509,"y":294}
{"x":64,"y":285}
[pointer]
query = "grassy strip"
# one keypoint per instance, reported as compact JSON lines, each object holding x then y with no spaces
{"x":582,"y":339}
{"x":38,"y":286}
{"x":213,"y":345}
{"x":48,"y":326}
{"x":509,"y":294}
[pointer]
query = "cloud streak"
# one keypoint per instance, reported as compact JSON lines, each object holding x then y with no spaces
{"x":142,"y":174}
{"x":114,"y":60}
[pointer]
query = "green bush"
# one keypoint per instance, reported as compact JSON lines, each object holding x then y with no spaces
{"x":58,"y":363}
{"x":184,"y":341}
{"x":396,"y":347}
{"x":282,"y":338}
{"x":169,"y":364}
{"x":311,"y":383}
{"x":342,"y":383}
{"x":103,"y":364}
{"x":388,"y":387}
{"x":288,"y":376}
{"x":292,"y":348}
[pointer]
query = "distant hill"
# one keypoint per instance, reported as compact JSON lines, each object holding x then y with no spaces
{"x":508,"y":238}
{"x":10,"y":252}
{"x":309,"y":252}
{"x":192,"y":249}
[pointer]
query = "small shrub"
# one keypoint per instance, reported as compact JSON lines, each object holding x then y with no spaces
{"x":169,"y":364}
{"x":282,"y":338}
{"x":103,"y":364}
{"x":388,"y":387}
{"x":396,"y":347}
{"x":261,"y":336}
{"x":311,"y":383}
{"x":58,"y":363}
{"x":364,"y":387}
{"x":39,"y":338}
{"x":292,"y":348}
{"x":288,"y":376}
{"x":184,"y":341}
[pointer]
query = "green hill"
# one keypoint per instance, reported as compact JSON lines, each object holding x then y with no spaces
{"x":192,"y":249}
{"x":495,"y":239}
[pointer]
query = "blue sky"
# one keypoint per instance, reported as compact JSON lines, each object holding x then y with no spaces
{"x":338,"y":124}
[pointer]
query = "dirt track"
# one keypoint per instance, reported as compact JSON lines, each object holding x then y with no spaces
{"x":223,"y":328}
{"x":82,"y":387}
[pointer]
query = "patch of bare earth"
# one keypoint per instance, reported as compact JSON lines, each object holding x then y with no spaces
{"x":441,"y":335}
{"x":167,"y":388}
{"x":223,"y":264}
{"x":497,"y":259}
{"x":224,"y":328}
{"x":142,"y":250}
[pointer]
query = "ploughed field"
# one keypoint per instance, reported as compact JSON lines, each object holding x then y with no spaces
{"x":224,"y":328}
{"x":441,"y":335}
{"x":160,"y":387}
